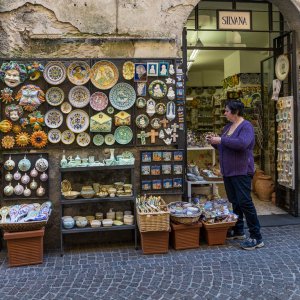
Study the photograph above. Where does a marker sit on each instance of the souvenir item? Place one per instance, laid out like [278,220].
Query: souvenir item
[98,139]
[146,185]
[166,169]
[244,78]
[141,102]
[78,72]
[110,110]
[143,135]
[167,141]
[8,142]
[6,95]
[40,191]
[152,69]
[13,73]
[178,155]
[167,183]
[150,107]
[25,179]
[155,123]
[145,170]
[156,184]
[54,136]
[171,69]
[17,176]
[30,97]
[24,122]
[66,107]
[141,89]
[123,135]
[6,126]
[24,164]
[83,139]
[54,118]
[8,177]
[170,81]
[282,67]
[163,69]
[104,75]
[8,191]
[142,121]
[170,111]
[55,72]
[9,164]
[122,118]
[34,172]
[14,112]
[160,108]
[67,137]
[41,164]
[109,139]
[128,70]
[39,139]
[140,73]
[27,192]
[171,94]
[22,139]
[36,120]
[100,123]
[122,96]
[55,96]
[161,134]
[79,96]
[98,101]
[78,121]
[33,185]
[157,89]
[35,70]
[18,189]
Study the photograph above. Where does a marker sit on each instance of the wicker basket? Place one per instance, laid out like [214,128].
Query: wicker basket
[184,219]
[25,226]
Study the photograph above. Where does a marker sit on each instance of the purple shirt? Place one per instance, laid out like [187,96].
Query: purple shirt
[236,150]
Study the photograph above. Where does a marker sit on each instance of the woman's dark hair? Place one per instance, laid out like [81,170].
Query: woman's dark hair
[236,107]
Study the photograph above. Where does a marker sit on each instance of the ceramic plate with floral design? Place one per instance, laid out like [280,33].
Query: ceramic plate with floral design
[79,72]
[109,139]
[83,139]
[98,139]
[98,101]
[53,118]
[55,96]
[157,89]
[78,121]
[122,96]
[79,96]
[66,107]
[123,135]
[54,136]
[67,137]
[55,72]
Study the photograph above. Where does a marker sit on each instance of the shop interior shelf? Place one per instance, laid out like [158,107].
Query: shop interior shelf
[83,169]
[90,229]
[95,200]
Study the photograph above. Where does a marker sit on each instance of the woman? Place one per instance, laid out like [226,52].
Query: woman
[237,166]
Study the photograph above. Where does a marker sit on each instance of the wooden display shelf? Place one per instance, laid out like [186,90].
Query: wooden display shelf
[95,229]
[84,169]
[95,200]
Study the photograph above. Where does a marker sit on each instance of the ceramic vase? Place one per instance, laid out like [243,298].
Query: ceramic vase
[255,177]
[264,187]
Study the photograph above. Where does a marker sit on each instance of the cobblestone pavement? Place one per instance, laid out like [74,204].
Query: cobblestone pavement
[223,272]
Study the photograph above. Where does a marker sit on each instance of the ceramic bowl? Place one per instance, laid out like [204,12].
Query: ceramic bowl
[95,223]
[107,222]
[81,222]
[71,195]
[118,223]
[87,194]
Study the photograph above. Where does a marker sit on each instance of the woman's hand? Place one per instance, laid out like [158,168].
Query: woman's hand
[214,140]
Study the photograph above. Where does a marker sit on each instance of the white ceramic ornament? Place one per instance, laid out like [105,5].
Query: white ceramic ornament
[24,164]
[27,192]
[33,185]
[8,190]
[44,177]
[171,94]
[17,176]
[34,172]
[18,189]
[9,164]
[25,179]
[40,191]
[8,177]
[150,107]
[41,164]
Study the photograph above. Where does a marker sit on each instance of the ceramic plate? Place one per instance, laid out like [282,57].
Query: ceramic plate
[55,72]
[98,139]
[142,121]
[123,135]
[244,78]
[109,139]
[160,108]
[155,123]
[157,89]
[53,118]
[122,96]
[66,107]
[79,72]
[282,67]
[141,102]
[128,70]
[54,136]
[78,121]
[83,139]
[104,75]
[98,101]
[79,96]
[55,96]
[67,137]
[110,110]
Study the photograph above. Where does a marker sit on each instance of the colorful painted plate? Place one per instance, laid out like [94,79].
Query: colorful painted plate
[66,107]
[282,67]
[110,110]
[157,89]
[123,135]
[98,101]
[83,139]
[142,121]
[67,137]
[128,70]
[79,72]
[160,108]
[54,136]
[109,139]
[141,102]
[55,96]
[55,72]
[53,118]
[104,75]
[122,96]
[79,96]
[78,121]
[98,139]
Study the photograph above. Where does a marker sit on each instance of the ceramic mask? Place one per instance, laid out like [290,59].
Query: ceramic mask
[44,177]
[24,164]
[33,185]
[25,179]
[13,73]
[6,95]
[33,172]
[8,190]
[17,176]
[14,112]
[41,164]
[27,192]
[35,70]
[18,190]
[9,164]
[8,177]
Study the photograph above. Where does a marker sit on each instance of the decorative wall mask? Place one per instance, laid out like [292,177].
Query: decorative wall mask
[13,112]
[13,73]
[22,139]
[6,95]
[5,126]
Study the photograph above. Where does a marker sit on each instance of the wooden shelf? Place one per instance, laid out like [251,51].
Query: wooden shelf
[95,229]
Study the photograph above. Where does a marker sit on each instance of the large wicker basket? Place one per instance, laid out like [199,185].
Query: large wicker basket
[24,226]
[183,218]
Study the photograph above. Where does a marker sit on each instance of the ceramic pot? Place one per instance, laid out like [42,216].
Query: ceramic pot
[68,223]
[264,187]
[255,176]
[81,222]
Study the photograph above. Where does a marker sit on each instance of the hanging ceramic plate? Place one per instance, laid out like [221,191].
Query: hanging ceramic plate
[55,72]
[160,108]
[83,139]
[79,96]
[78,121]
[67,137]
[253,78]
[123,135]
[157,89]
[110,110]
[79,72]
[54,136]
[109,139]
[244,78]
[98,101]
[104,75]
[155,123]
[53,118]
[142,121]
[282,67]
[98,139]
[55,96]
[122,96]
[128,70]
[141,102]
[66,107]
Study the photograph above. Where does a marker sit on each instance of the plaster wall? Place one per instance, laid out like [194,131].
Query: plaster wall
[206,78]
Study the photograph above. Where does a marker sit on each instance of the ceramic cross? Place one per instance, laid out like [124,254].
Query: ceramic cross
[164,121]
[174,136]
[143,135]
[153,134]
[174,127]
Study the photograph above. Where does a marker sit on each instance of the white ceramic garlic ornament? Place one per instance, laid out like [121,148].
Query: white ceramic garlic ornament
[17,176]
[34,172]
[25,179]
[8,190]
[9,164]
[33,185]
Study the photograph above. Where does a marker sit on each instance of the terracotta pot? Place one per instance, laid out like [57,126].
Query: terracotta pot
[255,176]
[264,187]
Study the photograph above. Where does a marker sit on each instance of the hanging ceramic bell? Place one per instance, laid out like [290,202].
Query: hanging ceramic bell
[18,189]
[24,164]
[33,185]
[44,177]
[9,164]
[17,176]
[41,164]
[8,190]
[40,191]
[34,172]
[8,177]
[27,192]
[25,179]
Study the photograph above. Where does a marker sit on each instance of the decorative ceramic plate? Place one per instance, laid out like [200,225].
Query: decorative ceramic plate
[83,139]
[78,121]
[160,108]
[127,154]
[98,101]
[142,121]
[282,67]
[55,96]
[155,123]
[128,70]
[53,118]
[104,75]
[109,139]
[79,96]
[141,102]
[244,78]
[110,110]
[123,135]
[122,96]
[98,139]
[66,107]
[157,89]
[55,72]
[54,136]
[79,72]
[67,137]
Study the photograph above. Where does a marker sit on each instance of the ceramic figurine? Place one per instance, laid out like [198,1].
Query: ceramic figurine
[168,141]
[36,120]
[171,69]
[171,94]
[170,111]
[150,107]
[13,73]
[13,112]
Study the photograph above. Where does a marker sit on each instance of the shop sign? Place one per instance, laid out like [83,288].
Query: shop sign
[234,20]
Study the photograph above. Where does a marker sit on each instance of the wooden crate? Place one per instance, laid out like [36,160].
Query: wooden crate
[155,242]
